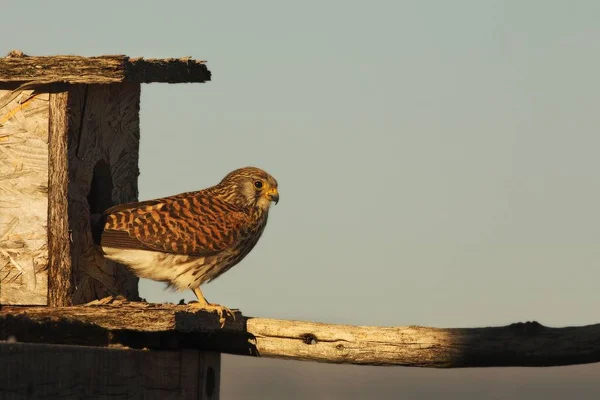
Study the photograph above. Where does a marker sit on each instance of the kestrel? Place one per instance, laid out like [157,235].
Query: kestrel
[190,238]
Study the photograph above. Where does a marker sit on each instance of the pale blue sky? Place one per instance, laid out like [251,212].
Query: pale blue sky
[438,161]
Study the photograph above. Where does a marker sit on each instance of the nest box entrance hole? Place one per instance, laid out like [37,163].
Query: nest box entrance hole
[100,195]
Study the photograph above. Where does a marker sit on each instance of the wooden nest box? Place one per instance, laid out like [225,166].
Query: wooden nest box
[69,144]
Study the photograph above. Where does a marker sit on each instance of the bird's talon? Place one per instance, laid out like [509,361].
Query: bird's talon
[221,311]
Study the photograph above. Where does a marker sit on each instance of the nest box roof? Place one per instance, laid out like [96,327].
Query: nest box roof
[18,67]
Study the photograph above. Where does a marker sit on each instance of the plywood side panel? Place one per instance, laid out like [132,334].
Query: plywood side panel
[103,170]
[23,196]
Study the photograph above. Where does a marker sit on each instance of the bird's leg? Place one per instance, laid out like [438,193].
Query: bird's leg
[201,299]
[205,305]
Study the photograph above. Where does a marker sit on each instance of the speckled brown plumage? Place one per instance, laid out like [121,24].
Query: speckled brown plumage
[196,223]
[190,238]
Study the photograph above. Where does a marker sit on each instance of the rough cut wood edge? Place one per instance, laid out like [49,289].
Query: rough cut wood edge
[23,197]
[103,69]
[40,371]
[154,326]
[59,249]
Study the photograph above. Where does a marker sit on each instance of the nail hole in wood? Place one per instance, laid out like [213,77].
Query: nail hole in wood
[308,338]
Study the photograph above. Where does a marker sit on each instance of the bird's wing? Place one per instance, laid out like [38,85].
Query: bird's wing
[190,224]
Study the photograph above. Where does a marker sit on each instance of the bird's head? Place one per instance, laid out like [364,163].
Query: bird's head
[250,187]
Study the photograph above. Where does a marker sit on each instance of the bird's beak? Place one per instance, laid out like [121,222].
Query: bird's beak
[273,195]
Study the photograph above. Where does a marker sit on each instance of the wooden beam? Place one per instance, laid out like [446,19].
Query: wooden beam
[103,69]
[162,326]
[59,250]
[42,371]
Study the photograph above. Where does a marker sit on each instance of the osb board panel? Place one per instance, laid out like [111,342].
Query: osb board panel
[23,196]
[103,138]
[41,371]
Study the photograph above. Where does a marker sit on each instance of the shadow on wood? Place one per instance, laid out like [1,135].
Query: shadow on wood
[136,326]
[139,325]
[36,371]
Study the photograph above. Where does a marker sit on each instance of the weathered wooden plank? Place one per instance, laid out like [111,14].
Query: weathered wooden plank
[167,70]
[143,325]
[60,267]
[23,196]
[40,371]
[103,69]
[521,344]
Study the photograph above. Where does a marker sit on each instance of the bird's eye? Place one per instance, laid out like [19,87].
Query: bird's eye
[258,184]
